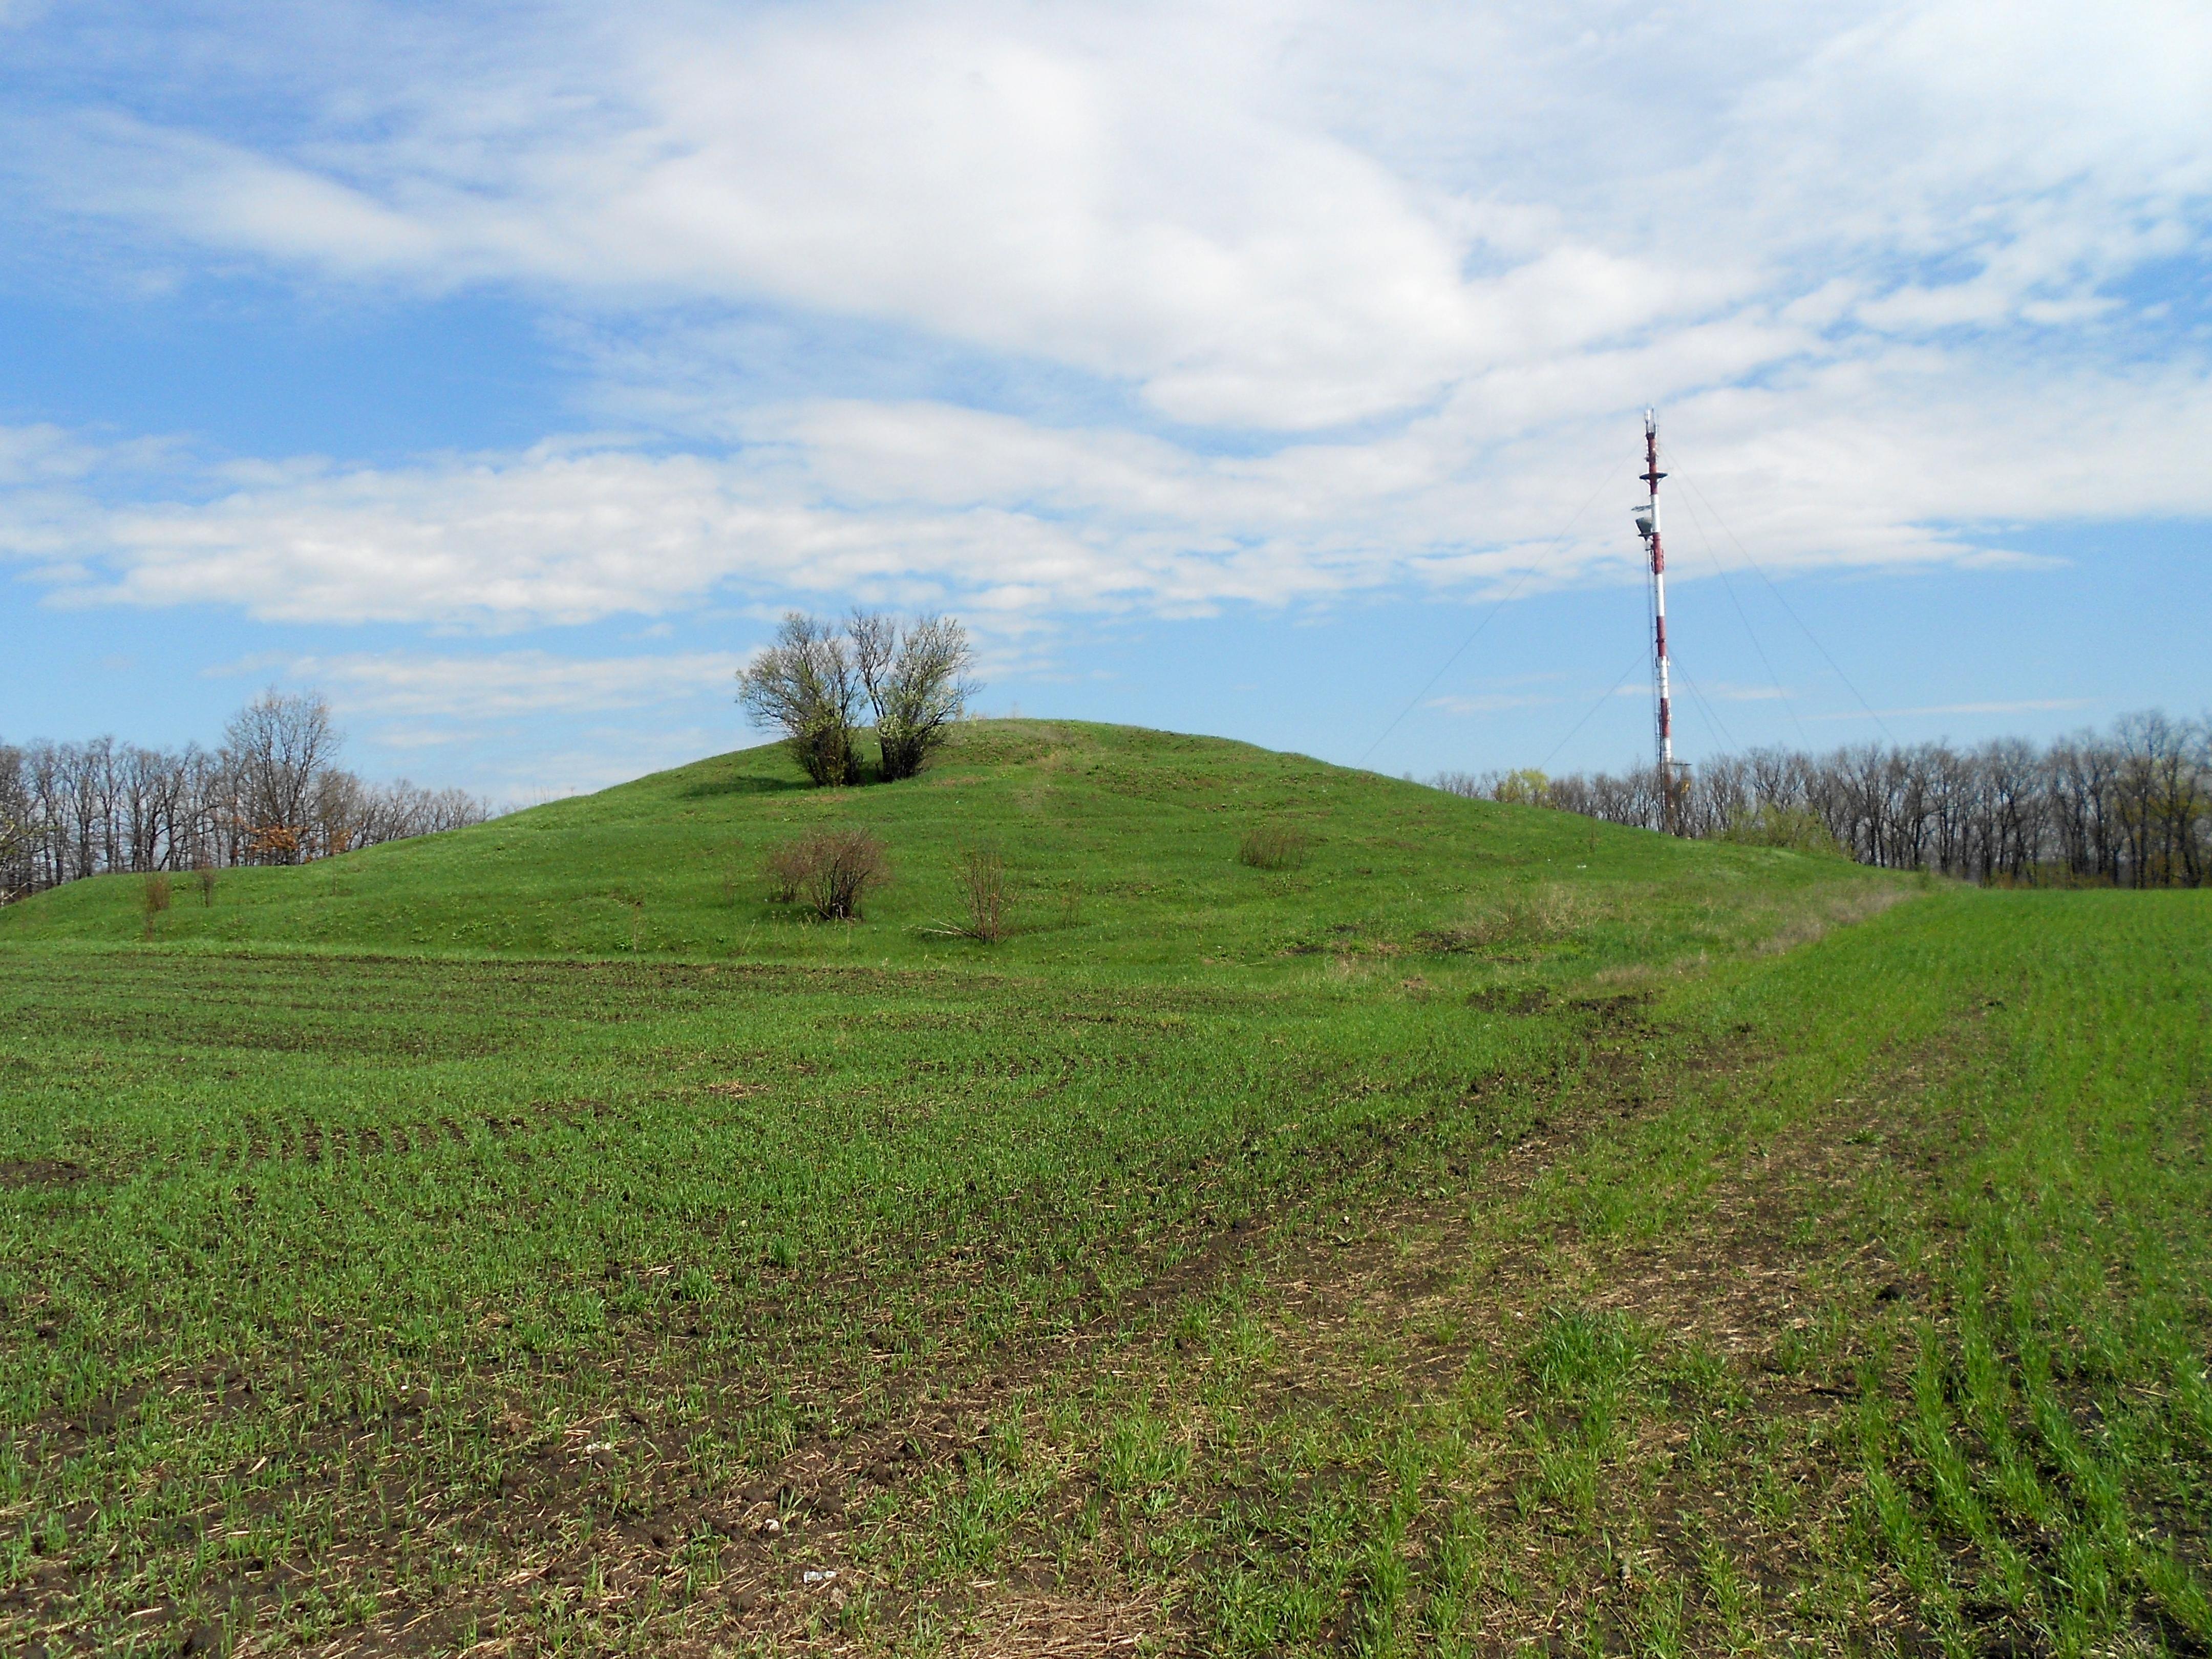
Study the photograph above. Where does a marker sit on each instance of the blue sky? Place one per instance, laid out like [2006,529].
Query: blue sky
[504,372]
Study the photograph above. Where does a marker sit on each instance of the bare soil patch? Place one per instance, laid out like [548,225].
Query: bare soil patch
[19,1175]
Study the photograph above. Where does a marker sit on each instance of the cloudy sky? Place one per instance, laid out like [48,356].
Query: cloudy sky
[1274,371]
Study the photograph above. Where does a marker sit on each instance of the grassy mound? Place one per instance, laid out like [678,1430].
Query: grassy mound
[1121,845]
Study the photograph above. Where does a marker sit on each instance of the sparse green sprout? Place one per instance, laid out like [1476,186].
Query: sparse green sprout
[1091,1301]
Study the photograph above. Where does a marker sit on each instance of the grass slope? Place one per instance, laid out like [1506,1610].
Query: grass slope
[1122,842]
[1504,1234]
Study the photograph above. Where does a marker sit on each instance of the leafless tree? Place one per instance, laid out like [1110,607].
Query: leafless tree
[280,746]
[2132,807]
[72,810]
[15,827]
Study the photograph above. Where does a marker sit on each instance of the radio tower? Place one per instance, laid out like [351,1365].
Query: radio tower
[1647,526]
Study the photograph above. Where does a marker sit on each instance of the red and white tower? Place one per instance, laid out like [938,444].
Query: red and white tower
[1647,525]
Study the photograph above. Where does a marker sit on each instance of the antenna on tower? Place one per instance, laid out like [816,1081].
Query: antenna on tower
[1647,526]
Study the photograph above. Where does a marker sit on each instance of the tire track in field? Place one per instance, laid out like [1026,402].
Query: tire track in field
[710,1550]
[799,1515]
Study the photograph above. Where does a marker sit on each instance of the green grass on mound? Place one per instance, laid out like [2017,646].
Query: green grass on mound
[1121,845]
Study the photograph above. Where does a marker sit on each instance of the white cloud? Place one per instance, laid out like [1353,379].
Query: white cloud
[1873,461]
[1488,702]
[521,727]
[506,685]
[1865,260]
[1727,691]
[1283,219]
[2017,706]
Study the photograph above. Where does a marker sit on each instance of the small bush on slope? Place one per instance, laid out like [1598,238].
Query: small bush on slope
[831,871]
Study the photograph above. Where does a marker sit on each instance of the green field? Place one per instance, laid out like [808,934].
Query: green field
[1501,1233]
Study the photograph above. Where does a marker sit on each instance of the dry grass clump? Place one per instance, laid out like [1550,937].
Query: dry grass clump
[1522,918]
[1274,846]
[784,867]
[986,898]
[982,882]
[829,871]
[1838,910]
[1050,1628]
[156,899]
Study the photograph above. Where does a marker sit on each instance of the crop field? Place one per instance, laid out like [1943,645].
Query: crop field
[1485,1232]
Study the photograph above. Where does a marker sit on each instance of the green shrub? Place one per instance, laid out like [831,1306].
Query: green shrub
[1794,829]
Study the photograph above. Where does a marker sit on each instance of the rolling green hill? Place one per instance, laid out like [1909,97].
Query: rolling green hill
[1121,843]
[1499,1234]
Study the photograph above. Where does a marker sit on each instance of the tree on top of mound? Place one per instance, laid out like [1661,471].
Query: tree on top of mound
[916,681]
[812,681]
[805,684]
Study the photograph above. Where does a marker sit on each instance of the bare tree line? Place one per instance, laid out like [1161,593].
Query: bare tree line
[2131,807]
[272,792]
